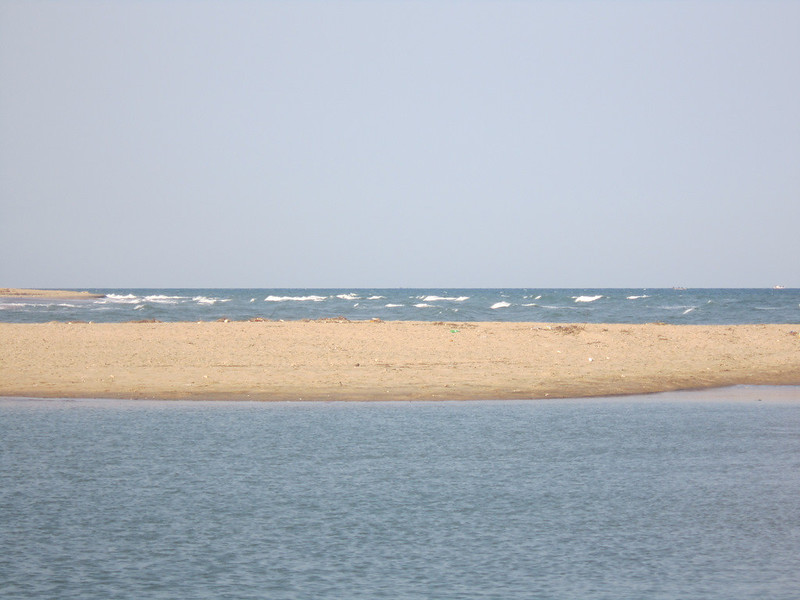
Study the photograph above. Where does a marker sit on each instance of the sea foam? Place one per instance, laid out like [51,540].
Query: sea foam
[120,299]
[586,298]
[497,305]
[441,298]
[161,299]
[207,300]
[295,298]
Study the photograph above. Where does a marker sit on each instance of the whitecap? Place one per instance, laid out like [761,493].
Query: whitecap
[439,298]
[551,307]
[164,299]
[688,310]
[423,305]
[393,305]
[586,298]
[636,297]
[497,305]
[295,298]
[206,300]
[350,296]
[118,299]
[539,297]
[377,298]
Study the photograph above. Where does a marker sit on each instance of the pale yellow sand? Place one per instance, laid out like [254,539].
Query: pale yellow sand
[386,360]
[29,293]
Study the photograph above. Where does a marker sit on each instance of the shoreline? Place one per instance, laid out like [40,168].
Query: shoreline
[392,360]
[767,393]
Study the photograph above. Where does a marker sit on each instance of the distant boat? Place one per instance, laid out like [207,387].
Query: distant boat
[679,288]
[778,287]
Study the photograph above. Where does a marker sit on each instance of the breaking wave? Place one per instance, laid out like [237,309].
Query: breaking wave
[443,298]
[295,298]
[207,300]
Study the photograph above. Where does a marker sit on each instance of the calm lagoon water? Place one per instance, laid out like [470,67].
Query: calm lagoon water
[644,497]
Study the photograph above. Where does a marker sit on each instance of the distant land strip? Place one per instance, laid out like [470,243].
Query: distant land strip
[31,293]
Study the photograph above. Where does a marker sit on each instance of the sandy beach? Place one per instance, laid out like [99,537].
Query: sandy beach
[364,360]
[31,293]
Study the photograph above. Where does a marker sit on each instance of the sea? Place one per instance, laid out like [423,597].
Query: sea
[599,305]
[677,496]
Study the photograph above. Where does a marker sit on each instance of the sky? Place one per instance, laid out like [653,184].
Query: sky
[399,144]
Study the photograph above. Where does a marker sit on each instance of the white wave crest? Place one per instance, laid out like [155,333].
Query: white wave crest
[441,298]
[32,304]
[551,307]
[350,296]
[586,298]
[376,298]
[295,299]
[159,299]
[394,305]
[119,299]
[497,305]
[688,310]
[636,297]
[207,300]
[423,305]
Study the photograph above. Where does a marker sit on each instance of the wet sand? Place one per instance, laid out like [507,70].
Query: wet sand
[341,360]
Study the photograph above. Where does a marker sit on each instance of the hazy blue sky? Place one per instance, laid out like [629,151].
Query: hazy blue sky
[476,144]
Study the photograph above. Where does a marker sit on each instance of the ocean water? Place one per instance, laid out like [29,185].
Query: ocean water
[654,497]
[692,306]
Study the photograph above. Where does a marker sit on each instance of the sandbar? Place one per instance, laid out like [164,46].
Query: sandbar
[336,359]
[32,293]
